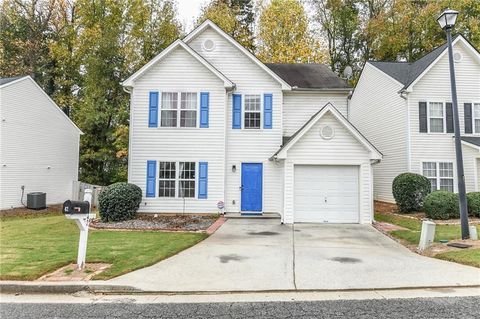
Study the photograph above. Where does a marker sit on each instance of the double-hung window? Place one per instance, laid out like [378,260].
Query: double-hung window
[476,117]
[177,179]
[166,179]
[175,114]
[253,111]
[440,175]
[436,115]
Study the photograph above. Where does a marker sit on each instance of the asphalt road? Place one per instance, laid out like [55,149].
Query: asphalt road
[453,307]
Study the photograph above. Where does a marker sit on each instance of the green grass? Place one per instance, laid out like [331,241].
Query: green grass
[33,246]
[467,257]
[414,226]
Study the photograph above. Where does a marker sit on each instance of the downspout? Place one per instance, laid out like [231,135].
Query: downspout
[404,95]
[225,146]
[129,90]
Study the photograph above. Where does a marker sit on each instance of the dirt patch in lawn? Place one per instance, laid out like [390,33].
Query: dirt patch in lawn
[178,222]
[25,212]
[384,207]
[438,248]
[71,273]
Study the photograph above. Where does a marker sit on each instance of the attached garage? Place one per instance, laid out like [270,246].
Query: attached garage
[328,172]
[326,194]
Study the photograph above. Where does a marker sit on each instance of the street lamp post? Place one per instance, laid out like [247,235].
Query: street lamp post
[447,21]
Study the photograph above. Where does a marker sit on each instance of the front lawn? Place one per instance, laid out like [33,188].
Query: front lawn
[449,232]
[31,246]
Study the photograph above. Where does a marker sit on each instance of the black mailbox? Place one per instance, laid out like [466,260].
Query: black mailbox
[76,207]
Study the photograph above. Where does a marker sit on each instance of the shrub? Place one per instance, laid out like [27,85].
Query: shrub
[442,205]
[119,201]
[409,191]
[473,202]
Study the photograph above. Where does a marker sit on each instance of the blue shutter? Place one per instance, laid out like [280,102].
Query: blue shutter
[267,111]
[151,174]
[237,111]
[202,180]
[204,101]
[153,110]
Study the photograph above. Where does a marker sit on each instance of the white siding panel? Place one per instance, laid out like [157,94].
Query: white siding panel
[435,86]
[378,111]
[179,71]
[38,146]
[343,149]
[254,146]
[298,107]
[470,158]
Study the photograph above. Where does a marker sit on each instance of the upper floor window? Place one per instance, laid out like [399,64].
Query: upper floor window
[476,117]
[174,114]
[253,111]
[440,175]
[436,115]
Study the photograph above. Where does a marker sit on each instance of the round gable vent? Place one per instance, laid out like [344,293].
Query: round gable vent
[327,132]
[208,45]
[457,57]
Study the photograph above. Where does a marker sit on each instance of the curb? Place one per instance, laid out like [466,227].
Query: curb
[55,288]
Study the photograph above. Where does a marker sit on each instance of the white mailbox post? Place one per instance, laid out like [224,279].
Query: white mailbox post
[82,220]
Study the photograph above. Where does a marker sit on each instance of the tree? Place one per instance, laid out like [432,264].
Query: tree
[235,17]
[284,35]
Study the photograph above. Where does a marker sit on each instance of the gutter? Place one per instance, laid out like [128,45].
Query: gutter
[296,88]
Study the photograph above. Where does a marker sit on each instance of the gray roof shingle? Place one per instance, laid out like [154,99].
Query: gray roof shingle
[308,75]
[407,72]
[10,79]
[472,140]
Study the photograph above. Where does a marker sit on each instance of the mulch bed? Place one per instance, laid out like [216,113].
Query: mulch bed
[25,212]
[160,222]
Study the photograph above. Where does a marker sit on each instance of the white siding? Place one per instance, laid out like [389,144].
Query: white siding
[34,136]
[435,86]
[378,111]
[247,145]
[470,158]
[343,149]
[298,107]
[179,71]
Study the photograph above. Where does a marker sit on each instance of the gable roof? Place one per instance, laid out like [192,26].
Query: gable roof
[409,72]
[209,24]
[17,79]
[314,119]
[472,141]
[4,81]
[178,43]
[308,76]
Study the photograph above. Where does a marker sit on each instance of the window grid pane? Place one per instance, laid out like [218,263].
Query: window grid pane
[166,184]
[436,109]
[188,118]
[436,117]
[252,102]
[187,179]
[252,120]
[446,169]
[169,101]
[430,169]
[188,101]
[446,184]
[433,182]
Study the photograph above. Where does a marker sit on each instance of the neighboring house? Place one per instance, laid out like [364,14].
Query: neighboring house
[210,124]
[39,144]
[405,109]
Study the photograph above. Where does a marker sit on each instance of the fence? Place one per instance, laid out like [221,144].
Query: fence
[79,191]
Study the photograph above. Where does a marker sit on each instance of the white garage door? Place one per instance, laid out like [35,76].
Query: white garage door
[326,194]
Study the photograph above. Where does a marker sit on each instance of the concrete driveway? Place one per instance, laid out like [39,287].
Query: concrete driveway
[262,255]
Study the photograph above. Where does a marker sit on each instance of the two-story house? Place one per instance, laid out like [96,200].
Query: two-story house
[213,127]
[405,109]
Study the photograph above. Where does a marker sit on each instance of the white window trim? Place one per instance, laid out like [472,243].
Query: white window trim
[474,131]
[242,126]
[178,110]
[444,116]
[177,181]
[438,178]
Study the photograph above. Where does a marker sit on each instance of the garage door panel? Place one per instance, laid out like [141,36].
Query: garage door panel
[326,193]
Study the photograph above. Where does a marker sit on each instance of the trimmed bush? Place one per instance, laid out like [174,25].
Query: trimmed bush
[442,205]
[473,202]
[409,191]
[119,201]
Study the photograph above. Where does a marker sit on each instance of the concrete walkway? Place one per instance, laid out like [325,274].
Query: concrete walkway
[262,255]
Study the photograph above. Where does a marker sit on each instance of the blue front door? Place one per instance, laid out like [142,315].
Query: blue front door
[252,187]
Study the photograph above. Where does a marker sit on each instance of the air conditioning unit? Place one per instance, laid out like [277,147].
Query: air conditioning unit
[36,200]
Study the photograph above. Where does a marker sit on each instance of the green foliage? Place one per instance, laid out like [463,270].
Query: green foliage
[473,202]
[409,191]
[119,201]
[442,205]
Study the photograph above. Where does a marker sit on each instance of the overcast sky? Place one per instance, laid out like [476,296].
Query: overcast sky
[188,10]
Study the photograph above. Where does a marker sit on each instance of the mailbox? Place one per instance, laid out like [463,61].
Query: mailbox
[76,207]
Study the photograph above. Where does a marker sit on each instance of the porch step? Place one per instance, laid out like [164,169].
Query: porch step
[260,216]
